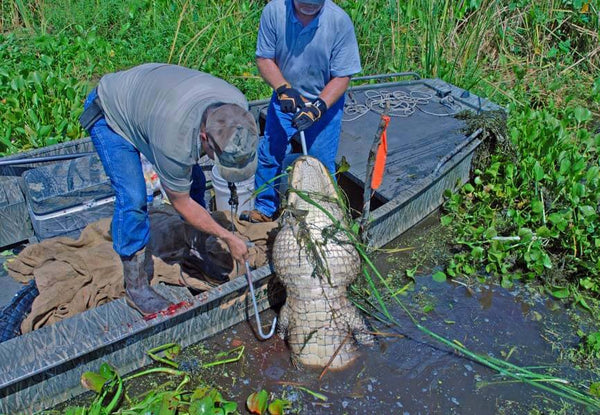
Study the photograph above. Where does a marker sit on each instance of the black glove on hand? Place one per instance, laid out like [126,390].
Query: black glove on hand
[308,115]
[289,98]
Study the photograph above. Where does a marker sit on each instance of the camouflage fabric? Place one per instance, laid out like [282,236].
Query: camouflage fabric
[14,218]
[66,184]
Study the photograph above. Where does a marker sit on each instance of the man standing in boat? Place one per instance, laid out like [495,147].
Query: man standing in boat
[172,115]
[307,52]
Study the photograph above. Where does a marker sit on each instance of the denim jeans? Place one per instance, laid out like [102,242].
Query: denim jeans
[274,150]
[130,227]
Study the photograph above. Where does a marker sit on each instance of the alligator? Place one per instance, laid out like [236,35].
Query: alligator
[316,261]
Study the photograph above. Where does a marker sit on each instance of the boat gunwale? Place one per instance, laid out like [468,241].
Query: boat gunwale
[208,298]
[427,182]
[394,206]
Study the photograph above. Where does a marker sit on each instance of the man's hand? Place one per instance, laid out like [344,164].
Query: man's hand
[237,248]
[289,98]
[310,114]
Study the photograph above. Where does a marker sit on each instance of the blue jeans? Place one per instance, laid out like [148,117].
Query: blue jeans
[274,150]
[130,227]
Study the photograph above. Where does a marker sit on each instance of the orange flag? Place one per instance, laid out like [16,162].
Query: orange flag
[380,157]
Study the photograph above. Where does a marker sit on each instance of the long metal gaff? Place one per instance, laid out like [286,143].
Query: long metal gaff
[256,314]
[249,274]
[249,279]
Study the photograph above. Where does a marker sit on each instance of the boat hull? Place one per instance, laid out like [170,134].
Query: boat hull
[43,368]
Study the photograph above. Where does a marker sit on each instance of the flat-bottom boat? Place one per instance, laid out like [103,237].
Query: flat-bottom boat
[428,152]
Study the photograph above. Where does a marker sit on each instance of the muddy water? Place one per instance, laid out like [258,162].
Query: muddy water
[414,374]
[409,372]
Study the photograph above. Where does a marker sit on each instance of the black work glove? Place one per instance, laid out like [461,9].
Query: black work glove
[289,98]
[310,114]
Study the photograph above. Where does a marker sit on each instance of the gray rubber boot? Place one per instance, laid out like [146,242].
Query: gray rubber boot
[139,294]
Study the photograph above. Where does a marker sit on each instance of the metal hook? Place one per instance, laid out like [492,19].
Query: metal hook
[233,203]
[258,322]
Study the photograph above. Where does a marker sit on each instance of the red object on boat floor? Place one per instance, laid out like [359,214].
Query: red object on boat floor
[169,311]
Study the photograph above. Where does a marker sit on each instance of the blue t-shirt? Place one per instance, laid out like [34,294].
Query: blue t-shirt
[308,57]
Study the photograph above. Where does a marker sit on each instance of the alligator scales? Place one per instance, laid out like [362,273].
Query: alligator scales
[316,262]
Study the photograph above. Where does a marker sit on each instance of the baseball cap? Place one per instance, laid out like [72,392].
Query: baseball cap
[235,135]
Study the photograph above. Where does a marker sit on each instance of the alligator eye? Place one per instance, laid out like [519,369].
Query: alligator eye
[298,213]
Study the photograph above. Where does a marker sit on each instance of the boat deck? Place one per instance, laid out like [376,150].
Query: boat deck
[420,135]
[428,149]
[428,152]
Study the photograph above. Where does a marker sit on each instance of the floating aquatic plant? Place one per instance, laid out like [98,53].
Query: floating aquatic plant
[110,389]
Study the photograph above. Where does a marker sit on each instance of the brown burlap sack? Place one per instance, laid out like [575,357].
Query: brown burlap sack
[75,275]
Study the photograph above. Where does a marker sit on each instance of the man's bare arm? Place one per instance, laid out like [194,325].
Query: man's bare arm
[270,72]
[334,90]
[201,219]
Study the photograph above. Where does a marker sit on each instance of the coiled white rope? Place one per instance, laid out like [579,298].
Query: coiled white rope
[400,104]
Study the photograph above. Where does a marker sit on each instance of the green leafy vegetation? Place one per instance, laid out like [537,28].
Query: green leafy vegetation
[258,403]
[536,217]
[590,344]
[529,214]
[113,395]
[381,296]
[54,53]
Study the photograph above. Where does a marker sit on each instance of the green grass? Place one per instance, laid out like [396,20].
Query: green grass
[511,51]
[508,50]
